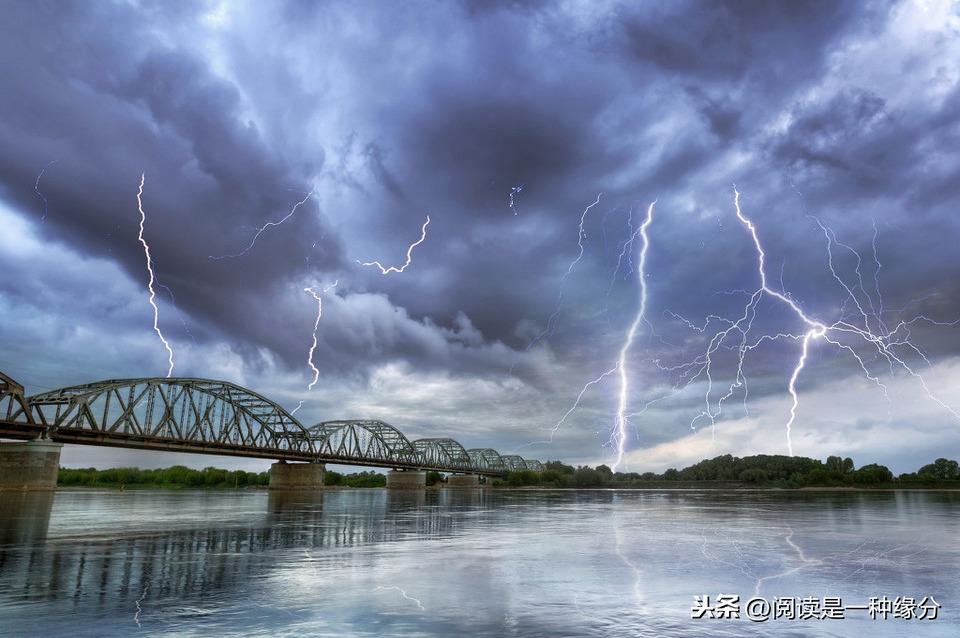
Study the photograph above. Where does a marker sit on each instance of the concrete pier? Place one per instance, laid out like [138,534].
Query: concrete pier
[406,480]
[29,465]
[297,476]
[463,480]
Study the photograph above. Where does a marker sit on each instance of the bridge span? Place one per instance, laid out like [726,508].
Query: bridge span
[216,417]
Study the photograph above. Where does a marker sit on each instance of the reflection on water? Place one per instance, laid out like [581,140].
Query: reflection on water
[464,562]
[24,517]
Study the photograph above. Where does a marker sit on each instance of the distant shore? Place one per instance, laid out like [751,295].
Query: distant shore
[723,473]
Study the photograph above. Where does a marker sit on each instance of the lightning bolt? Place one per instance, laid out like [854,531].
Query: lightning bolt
[737,557]
[581,235]
[618,438]
[150,281]
[387,271]
[404,594]
[136,616]
[36,188]
[801,558]
[626,250]
[884,344]
[513,193]
[637,574]
[263,228]
[173,302]
[620,426]
[316,325]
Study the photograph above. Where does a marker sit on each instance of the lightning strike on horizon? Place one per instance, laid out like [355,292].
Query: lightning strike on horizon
[883,343]
[618,438]
[620,427]
[150,281]
[404,594]
[514,191]
[261,229]
[386,271]
[36,189]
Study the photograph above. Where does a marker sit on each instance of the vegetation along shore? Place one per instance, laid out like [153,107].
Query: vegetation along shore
[722,472]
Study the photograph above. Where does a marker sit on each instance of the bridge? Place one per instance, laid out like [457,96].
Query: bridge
[216,417]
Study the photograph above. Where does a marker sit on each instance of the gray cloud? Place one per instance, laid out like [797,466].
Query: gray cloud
[846,112]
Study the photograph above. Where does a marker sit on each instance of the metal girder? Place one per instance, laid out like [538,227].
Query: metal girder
[216,417]
[13,404]
[364,440]
[533,464]
[514,462]
[443,452]
[186,413]
[487,459]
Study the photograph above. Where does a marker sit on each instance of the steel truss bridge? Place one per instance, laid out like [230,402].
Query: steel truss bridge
[216,417]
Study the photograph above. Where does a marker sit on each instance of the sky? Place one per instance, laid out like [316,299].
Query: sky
[837,122]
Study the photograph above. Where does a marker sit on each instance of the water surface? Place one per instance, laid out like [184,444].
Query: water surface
[466,563]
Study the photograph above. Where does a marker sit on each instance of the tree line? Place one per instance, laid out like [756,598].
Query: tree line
[760,470]
[180,476]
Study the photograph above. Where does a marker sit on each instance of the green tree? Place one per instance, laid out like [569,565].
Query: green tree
[554,478]
[605,473]
[941,469]
[365,479]
[753,475]
[587,477]
[838,465]
[560,467]
[872,474]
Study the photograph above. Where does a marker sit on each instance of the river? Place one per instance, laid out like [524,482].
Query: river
[469,562]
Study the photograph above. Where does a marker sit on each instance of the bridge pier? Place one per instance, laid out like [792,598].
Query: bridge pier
[29,465]
[463,480]
[406,480]
[296,476]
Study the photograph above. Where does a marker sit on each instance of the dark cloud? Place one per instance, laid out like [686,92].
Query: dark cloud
[388,114]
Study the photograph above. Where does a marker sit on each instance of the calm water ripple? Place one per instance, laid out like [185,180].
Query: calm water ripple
[465,563]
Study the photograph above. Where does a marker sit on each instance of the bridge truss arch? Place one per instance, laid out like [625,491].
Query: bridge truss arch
[486,459]
[13,403]
[444,453]
[514,462]
[177,414]
[533,464]
[185,414]
[363,442]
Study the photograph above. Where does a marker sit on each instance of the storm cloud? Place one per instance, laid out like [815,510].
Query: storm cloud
[376,115]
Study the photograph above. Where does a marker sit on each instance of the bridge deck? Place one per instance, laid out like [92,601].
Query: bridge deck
[205,416]
[24,432]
